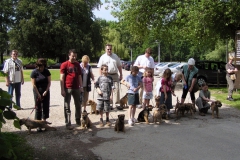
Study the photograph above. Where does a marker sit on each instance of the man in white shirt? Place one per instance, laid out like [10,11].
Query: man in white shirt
[143,62]
[14,69]
[114,66]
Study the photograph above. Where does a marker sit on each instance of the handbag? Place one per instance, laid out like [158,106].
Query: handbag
[233,76]
[195,88]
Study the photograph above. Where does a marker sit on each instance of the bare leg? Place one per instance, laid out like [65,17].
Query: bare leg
[133,111]
[130,112]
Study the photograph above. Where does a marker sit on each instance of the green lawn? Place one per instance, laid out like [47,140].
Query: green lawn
[221,94]
[55,75]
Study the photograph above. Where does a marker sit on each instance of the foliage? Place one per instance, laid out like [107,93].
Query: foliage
[50,28]
[14,147]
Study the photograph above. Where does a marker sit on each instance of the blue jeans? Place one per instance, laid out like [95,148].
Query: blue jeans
[17,87]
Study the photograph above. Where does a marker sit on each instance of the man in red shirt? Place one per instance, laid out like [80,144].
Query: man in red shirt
[71,84]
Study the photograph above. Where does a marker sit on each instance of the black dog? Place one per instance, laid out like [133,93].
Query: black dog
[143,115]
[119,125]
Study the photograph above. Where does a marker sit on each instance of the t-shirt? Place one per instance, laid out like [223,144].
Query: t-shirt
[112,61]
[72,72]
[41,78]
[144,61]
[147,82]
[133,82]
[105,83]
[14,69]
[231,67]
[167,83]
[205,94]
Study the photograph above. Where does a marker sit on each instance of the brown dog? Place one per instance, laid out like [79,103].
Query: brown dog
[214,107]
[93,106]
[85,121]
[31,124]
[143,115]
[179,108]
[189,107]
[119,125]
[157,101]
[157,114]
[123,101]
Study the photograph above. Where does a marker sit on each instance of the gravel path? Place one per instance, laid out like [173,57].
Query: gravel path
[190,137]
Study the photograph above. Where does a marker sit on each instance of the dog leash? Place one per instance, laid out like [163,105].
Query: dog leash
[38,100]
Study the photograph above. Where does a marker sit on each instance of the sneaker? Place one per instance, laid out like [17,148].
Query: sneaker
[130,122]
[230,99]
[101,124]
[134,120]
[108,123]
[69,127]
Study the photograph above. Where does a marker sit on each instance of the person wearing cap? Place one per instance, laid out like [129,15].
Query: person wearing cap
[189,79]
[231,70]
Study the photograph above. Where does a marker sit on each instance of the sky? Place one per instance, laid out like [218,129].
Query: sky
[103,13]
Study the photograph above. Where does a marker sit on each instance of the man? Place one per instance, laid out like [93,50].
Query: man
[71,84]
[143,62]
[114,66]
[14,69]
[189,79]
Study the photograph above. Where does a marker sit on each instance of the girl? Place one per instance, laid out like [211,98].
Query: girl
[147,87]
[133,83]
[166,90]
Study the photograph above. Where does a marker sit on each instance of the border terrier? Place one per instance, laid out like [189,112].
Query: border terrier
[32,124]
[157,114]
[143,115]
[157,101]
[93,106]
[119,125]
[214,107]
[123,101]
[85,121]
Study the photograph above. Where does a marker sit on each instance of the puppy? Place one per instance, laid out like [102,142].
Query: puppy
[93,106]
[85,121]
[143,115]
[119,125]
[157,101]
[123,101]
[157,114]
[31,124]
[189,107]
[179,108]
[214,107]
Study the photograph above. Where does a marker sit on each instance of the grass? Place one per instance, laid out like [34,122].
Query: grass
[221,94]
[55,75]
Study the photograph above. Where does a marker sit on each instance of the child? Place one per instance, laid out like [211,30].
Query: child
[104,86]
[203,99]
[147,87]
[176,77]
[133,83]
[166,90]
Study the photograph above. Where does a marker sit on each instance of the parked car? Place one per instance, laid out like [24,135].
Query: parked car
[162,66]
[211,72]
[31,65]
[55,66]
[177,67]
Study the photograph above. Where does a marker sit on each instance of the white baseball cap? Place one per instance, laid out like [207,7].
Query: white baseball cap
[191,61]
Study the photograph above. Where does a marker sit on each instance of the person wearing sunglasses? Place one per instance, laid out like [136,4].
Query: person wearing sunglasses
[13,67]
[41,81]
[114,67]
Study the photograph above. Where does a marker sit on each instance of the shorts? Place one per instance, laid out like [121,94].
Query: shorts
[147,96]
[133,99]
[103,105]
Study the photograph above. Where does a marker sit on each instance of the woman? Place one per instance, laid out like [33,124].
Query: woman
[87,75]
[41,81]
[231,70]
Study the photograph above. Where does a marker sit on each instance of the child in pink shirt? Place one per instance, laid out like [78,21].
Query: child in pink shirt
[147,87]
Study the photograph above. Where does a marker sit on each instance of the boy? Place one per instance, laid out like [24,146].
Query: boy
[104,86]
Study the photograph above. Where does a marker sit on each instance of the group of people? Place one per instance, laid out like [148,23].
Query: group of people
[75,80]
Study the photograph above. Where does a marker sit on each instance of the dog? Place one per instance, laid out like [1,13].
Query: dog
[189,107]
[123,101]
[85,121]
[179,108]
[119,125]
[143,115]
[93,106]
[158,114]
[157,101]
[32,124]
[214,107]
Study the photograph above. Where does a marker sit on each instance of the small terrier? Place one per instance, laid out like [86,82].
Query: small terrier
[157,114]
[157,101]
[85,121]
[119,125]
[143,115]
[123,101]
[214,107]
[31,124]
[93,106]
